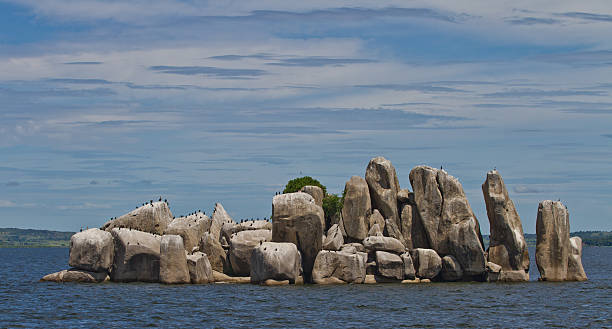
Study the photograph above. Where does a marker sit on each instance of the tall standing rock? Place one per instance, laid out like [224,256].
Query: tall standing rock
[383,185]
[136,256]
[152,218]
[356,209]
[447,219]
[173,260]
[507,246]
[219,217]
[575,271]
[91,250]
[297,218]
[215,253]
[552,246]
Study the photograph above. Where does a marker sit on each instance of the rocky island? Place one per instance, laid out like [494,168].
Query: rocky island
[383,234]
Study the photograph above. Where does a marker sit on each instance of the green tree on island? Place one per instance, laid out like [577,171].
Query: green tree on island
[332,203]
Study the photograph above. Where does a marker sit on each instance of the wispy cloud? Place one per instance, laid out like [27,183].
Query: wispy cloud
[319,61]
[532,21]
[528,92]
[83,63]
[209,71]
[7,204]
[84,206]
[587,16]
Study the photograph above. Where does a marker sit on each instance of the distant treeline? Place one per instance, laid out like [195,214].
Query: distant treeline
[15,237]
[20,238]
[589,238]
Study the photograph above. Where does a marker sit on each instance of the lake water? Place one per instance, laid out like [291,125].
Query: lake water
[25,302]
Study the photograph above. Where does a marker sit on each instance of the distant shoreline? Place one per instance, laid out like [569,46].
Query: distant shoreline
[32,238]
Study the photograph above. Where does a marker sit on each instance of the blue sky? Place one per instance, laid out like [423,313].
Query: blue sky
[107,104]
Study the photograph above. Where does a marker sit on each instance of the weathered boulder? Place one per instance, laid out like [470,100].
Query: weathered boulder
[391,230]
[334,239]
[427,263]
[447,219]
[275,260]
[492,271]
[173,260]
[190,228]
[404,196]
[296,218]
[507,246]
[451,270]
[575,271]
[219,217]
[338,267]
[352,247]
[375,231]
[215,253]
[152,218]
[389,265]
[241,247]
[552,240]
[376,219]
[356,209]
[200,270]
[76,275]
[136,256]
[230,228]
[383,185]
[409,272]
[383,243]
[92,250]
[315,192]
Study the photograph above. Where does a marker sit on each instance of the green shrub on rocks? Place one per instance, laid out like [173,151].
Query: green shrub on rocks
[296,184]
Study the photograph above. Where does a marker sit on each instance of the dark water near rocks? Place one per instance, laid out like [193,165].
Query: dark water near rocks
[25,302]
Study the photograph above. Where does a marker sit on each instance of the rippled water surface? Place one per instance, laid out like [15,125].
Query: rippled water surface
[25,302]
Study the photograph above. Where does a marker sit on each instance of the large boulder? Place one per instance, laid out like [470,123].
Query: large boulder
[200,270]
[507,246]
[316,193]
[231,228]
[451,270]
[552,240]
[383,185]
[356,209]
[136,256]
[389,266]
[241,247]
[383,243]
[92,250]
[427,263]
[190,228]
[409,272]
[152,218]
[376,218]
[447,219]
[334,239]
[391,230]
[296,218]
[219,218]
[215,253]
[338,267]
[275,260]
[575,271]
[173,260]
[75,275]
